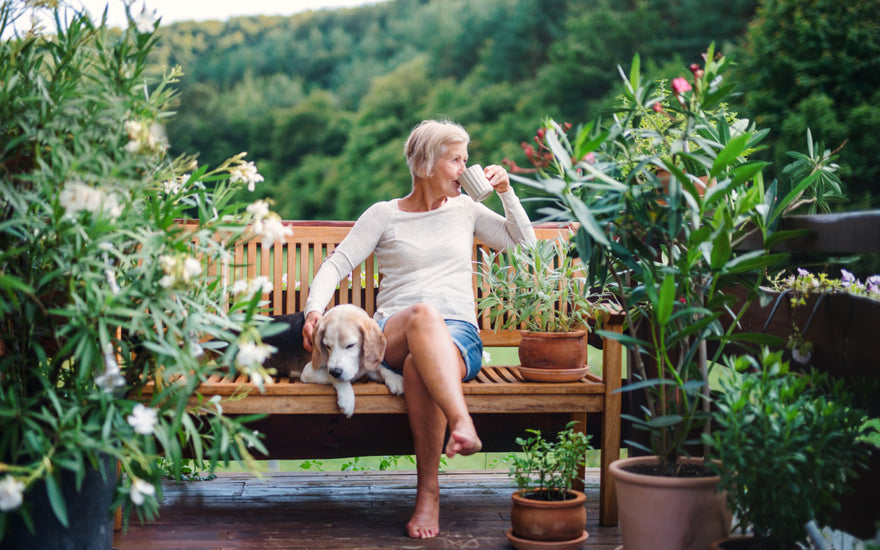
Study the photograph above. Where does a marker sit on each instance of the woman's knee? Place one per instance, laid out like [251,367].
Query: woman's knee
[423,314]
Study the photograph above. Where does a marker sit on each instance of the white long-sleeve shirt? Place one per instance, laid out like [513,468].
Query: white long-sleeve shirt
[422,256]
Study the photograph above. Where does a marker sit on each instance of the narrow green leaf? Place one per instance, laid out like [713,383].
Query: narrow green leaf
[56,500]
[666,300]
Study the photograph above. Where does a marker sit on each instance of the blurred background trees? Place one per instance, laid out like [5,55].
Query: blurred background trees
[323,101]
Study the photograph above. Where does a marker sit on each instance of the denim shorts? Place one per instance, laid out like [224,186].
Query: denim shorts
[466,338]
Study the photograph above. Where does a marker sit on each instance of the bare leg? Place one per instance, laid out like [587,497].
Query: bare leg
[428,427]
[432,371]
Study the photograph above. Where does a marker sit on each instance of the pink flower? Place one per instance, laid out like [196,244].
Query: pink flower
[680,85]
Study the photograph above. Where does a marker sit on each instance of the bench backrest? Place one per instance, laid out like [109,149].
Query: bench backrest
[291,265]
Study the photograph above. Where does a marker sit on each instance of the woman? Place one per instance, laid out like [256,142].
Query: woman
[425,305]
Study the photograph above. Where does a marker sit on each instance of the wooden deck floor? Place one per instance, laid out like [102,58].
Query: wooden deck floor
[333,510]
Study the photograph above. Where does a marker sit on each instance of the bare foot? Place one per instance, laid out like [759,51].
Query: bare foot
[463,442]
[425,521]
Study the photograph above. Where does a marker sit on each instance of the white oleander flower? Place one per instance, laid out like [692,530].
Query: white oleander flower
[143,419]
[250,354]
[271,229]
[260,285]
[240,286]
[141,489]
[245,172]
[11,493]
[145,22]
[259,209]
[192,268]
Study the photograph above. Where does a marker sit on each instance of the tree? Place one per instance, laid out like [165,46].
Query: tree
[817,60]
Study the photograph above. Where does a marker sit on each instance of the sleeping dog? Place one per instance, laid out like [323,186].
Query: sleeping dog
[347,345]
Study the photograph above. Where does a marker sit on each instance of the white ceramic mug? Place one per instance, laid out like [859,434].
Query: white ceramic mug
[474,182]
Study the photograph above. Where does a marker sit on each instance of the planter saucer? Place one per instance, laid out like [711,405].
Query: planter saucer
[552,375]
[526,544]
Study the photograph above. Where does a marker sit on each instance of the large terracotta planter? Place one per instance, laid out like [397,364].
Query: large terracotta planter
[668,513]
[548,520]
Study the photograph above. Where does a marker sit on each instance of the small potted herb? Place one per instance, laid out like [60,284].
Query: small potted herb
[785,445]
[545,506]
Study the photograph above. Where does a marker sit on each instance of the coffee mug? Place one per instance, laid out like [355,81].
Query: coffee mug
[474,182]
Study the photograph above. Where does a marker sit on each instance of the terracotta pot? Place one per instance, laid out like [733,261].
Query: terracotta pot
[668,513]
[553,350]
[548,520]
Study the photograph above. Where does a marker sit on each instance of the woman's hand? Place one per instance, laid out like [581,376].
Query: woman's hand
[498,178]
[311,321]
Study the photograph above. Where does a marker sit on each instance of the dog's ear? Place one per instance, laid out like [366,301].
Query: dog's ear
[319,355]
[374,344]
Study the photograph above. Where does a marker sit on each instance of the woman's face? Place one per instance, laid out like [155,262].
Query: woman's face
[448,168]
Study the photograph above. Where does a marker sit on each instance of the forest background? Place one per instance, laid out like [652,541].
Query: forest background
[322,101]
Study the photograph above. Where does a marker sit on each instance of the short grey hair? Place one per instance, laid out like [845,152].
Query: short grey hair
[428,142]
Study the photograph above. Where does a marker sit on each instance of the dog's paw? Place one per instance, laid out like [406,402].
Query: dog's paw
[345,399]
[310,375]
[394,382]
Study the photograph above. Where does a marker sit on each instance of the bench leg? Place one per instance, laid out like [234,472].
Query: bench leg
[581,426]
[117,514]
[612,372]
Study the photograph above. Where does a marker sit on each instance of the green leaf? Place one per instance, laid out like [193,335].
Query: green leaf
[758,338]
[664,421]
[729,154]
[666,300]
[56,500]
[721,250]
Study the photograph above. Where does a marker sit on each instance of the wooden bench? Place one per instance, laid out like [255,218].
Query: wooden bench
[304,421]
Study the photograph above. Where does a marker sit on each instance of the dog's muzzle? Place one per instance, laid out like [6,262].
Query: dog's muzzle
[337,374]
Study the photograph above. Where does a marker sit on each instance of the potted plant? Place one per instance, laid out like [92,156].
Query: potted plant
[101,292]
[542,288]
[672,252]
[545,507]
[785,444]
[825,321]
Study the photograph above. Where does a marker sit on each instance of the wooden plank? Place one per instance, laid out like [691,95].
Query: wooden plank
[332,510]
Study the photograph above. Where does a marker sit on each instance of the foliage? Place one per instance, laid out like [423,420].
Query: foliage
[496,66]
[540,286]
[671,247]
[785,446]
[803,283]
[549,467]
[816,64]
[101,292]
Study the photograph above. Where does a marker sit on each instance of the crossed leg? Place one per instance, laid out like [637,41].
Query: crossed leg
[417,339]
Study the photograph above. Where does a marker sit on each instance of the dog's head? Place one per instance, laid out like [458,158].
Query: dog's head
[347,340]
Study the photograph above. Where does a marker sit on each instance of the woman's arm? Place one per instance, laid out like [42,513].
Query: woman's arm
[354,249]
[500,232]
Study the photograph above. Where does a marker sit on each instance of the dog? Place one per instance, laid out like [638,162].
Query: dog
[348,345]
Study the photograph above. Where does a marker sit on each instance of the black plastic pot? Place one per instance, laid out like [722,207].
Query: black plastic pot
[88,511]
